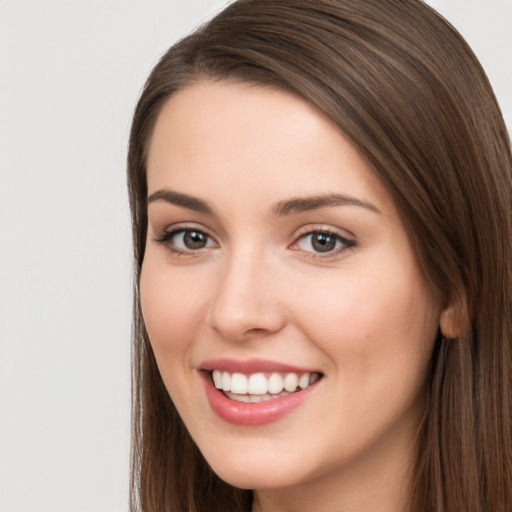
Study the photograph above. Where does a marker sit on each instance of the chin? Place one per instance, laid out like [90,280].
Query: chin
[257,478]
[260,468]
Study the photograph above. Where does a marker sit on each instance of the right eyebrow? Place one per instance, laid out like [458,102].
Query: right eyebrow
[304,204]
[179,199]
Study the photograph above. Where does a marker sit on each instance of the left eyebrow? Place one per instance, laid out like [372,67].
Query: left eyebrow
[304,204]
[180,199]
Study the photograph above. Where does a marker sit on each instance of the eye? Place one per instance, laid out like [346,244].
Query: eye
[322,242]
[186,240]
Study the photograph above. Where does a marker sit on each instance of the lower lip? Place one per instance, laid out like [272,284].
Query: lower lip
[255,413]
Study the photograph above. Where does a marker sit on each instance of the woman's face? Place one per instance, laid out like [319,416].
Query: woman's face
[276,257]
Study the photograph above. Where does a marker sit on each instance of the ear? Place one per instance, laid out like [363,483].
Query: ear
[450,321]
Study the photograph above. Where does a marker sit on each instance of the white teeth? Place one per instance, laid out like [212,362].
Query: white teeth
[239,384]
[304,381]
[226,381]
[257,384]
[290,382]
[217,378]
[257,387]
[254,398]
[275,383]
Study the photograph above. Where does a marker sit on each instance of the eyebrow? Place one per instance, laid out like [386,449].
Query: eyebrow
[304,204]
[179,199]
[280,209]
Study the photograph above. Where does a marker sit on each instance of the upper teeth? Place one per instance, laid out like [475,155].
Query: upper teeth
[260,384]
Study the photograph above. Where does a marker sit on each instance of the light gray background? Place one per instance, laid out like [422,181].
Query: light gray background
[71,71]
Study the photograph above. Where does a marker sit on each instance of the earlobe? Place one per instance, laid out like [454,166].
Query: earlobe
[450,322]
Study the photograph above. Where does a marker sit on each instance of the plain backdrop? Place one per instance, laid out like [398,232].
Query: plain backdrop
[71,71]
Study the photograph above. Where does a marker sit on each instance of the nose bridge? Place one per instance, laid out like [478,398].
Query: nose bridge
[245,302]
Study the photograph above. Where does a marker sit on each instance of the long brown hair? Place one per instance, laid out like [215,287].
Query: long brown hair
[406,89]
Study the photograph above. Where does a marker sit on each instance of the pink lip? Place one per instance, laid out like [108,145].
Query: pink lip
[258,413]
[250,366]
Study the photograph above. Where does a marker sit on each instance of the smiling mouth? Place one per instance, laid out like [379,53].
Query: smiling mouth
[260,387]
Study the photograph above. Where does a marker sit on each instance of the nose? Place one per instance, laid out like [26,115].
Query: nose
[246,304]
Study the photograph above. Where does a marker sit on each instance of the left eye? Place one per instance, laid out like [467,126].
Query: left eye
[321,242]
[190,240]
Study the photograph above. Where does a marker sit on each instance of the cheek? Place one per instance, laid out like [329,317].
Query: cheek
[374,326]
[172,305]
[378,334]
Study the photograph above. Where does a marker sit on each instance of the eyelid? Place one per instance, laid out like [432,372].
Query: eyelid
[324,228]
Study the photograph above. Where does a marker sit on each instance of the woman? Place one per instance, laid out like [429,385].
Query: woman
[321,198]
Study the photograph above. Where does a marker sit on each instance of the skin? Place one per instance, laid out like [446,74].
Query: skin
[361,314]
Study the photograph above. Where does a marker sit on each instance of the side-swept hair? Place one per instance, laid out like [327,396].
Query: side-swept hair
[406,89]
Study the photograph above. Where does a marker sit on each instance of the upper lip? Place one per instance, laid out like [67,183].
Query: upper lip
[249,366]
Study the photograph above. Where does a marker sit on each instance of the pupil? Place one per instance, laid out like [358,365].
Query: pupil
[194,240]
[323,242]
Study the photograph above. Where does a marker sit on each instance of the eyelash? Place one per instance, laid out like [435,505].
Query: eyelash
[346,244]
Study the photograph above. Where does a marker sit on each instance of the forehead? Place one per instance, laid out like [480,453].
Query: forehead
[260,140]
[228,115]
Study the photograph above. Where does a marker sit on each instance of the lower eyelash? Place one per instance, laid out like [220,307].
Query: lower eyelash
[164,238]
[333,254]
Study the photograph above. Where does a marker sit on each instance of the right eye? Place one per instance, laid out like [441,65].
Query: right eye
[186,240]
